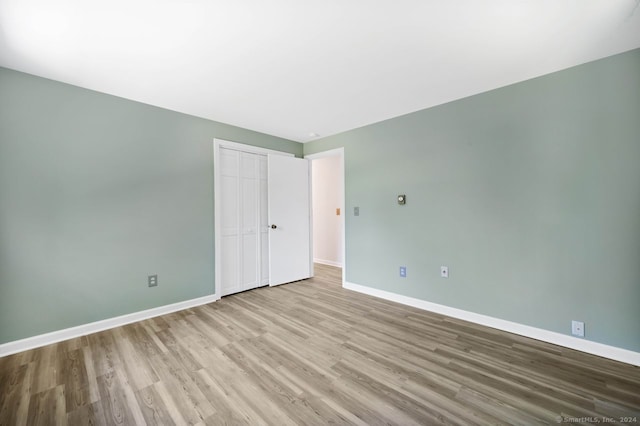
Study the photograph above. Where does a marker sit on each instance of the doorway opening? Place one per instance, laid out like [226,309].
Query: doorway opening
[328,207]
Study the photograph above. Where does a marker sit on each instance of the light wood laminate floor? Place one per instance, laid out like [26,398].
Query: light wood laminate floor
[310,353]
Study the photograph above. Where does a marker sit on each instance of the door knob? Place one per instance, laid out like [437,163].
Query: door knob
[273,226]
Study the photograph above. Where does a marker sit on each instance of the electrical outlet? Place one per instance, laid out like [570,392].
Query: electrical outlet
[403,271]
[577,328]
[356,211]
[152,280]
[444,272]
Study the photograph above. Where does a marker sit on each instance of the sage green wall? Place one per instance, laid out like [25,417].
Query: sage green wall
[96,193]
[529,193]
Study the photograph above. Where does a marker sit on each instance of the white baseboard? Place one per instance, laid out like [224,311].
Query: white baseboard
[594,348]
[328,262]
[94,327]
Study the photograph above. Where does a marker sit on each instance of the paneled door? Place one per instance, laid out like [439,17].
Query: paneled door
[262,217]
[243,221]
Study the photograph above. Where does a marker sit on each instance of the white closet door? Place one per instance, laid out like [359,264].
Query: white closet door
[290,217]
[253,191]
[243,187]
[264,221]
[229,224]
[249,215]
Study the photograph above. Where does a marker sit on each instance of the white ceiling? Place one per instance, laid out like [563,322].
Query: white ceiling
[291,68]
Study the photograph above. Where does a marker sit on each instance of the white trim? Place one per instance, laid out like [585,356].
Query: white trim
[94,327]
[310,215]
[337,152]
[221,143]
[327,262]
[594,348]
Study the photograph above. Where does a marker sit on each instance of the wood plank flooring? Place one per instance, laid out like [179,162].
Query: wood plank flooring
[311,353]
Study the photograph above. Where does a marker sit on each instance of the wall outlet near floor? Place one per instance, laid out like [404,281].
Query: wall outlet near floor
[444,272]
[152,280]
[577,328]
[403,271]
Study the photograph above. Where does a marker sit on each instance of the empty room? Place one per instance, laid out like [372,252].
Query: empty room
[319,212]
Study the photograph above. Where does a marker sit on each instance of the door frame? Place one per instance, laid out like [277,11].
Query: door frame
[217,211]
[337,152]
